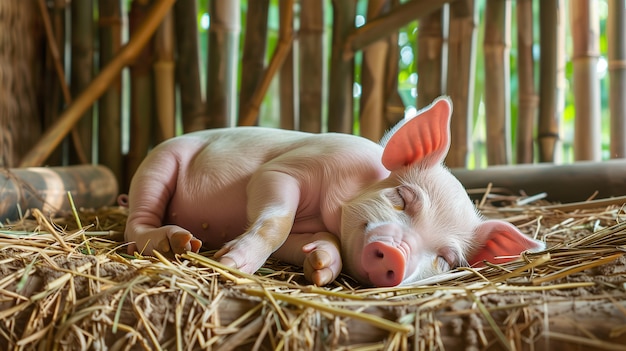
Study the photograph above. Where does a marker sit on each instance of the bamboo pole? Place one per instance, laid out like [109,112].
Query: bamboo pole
[82,68]
[142,103]
[385,25]
[287,80]
[550,110]
[528,100]
[373,76]
[616,27]
[496,46]
[312,65]
[164,79]
[254,51]
[55,133]
[430,60]
[223,62]
[585,26]
[109,106]
[340,100]
[192,105]
[285,40]
[461,71]
[394,105]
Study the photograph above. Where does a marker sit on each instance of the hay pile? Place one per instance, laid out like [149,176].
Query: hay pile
[64,288]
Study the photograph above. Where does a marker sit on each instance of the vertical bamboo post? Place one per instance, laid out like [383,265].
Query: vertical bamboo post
[141,129]
[430,59]
[528,99]
[164,80]
[340,100]
[109,106]
[550,104]
[312,64]
[287,78]
[223,62]
[192,105]
[394,107]
[585,26]
[253,56]
[616,29]
[373,76]
[496,47]
[82,68]
[460,84]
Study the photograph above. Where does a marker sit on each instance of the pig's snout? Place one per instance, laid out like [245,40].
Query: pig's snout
[383,263]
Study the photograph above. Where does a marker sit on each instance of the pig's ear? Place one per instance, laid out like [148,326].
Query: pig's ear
[500,242]
[423,139]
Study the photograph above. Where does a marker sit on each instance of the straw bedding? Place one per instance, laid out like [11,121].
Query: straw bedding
[64,288]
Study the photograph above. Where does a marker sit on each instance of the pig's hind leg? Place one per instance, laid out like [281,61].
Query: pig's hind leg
[319,254]
[151,189]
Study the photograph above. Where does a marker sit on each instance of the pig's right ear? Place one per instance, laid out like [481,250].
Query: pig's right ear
[424,139]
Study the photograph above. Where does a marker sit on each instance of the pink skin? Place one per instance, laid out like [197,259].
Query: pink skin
[325,202]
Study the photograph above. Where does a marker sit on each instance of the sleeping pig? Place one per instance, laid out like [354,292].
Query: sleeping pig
[386,214]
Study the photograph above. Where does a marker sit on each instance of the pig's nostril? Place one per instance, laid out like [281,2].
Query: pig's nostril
[380,254]
[390,274]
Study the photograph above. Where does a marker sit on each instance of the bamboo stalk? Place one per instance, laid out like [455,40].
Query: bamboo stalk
[340,100]
[373,77]
[192,105]
[385,25]
[430,60]
[55,134]
[82,68]
[312,65]
[616,27]
[109,106]
[496,48]
[254,51]
[461,71]
[142,103]
[164,79]
[550,110]
[585,26]
[527,99]
[394,105]
[285,40]
[223,62]
[287,81]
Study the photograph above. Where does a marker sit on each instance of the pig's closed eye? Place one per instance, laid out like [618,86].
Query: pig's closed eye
[399,203]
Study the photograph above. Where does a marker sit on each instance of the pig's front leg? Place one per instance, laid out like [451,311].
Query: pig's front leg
[318,253]
[273,199]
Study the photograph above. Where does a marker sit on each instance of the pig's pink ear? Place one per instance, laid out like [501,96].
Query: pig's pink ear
[423,139]
[500,242]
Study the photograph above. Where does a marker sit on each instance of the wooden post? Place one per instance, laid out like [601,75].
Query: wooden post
[287,78]
[585,26]
[460,85]
[497,81]
[312,64]
[373,76]
[253,56]
[616,27]
[223,62]
[192,105]
[109,106]
[528,100]
[550,82]
[340,100]
[164,80]
[431,64]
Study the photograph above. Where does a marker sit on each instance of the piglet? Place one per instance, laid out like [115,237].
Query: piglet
[386,214]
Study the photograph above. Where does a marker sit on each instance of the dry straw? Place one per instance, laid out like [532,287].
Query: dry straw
[64,286]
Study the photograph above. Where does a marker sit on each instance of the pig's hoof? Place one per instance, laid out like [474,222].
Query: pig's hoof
[384,264]
[322,262]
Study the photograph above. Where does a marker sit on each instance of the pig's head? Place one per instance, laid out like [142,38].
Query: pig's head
[420,221]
